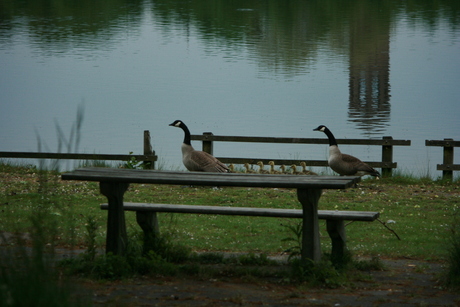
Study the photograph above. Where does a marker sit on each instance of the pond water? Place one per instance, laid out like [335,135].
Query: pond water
[249,68]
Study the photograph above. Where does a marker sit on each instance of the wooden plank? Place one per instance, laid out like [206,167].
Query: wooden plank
[387,157]
[278,162]
[448,167]
[297,162]
[286,140]
[443,143]
[74,156]
[365,216]
[148,151]
[211,179]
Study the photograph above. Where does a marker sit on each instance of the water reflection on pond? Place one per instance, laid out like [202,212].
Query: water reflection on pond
[366,69]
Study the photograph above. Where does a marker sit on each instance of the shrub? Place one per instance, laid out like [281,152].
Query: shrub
[322,273]
[452,274]
[110,266]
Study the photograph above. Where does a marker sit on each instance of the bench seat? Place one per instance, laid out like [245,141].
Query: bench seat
[147,219]
[364,216]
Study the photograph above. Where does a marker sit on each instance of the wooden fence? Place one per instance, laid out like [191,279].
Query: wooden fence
[447,167]
[148,158]
[387,143]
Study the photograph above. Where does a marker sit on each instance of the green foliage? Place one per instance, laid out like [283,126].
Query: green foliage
[418,209]
[91,233]
[110,266]
[27,274]
[452,272]
[326,273]
[132,163]
[322,273]
[374,264]
[296,230]
[31,284]
[163,246]
[158,259]
[254,259]
[94,163]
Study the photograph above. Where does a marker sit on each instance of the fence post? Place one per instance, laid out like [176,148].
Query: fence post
[148,151]
[387,156]
[207,145]
[448,158]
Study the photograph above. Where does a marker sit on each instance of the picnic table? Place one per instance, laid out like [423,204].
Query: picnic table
[113,184]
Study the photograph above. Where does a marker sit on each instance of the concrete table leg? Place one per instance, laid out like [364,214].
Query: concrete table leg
[117,237]
[311,248]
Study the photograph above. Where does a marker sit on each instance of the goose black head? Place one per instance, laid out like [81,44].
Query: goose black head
[176,123]
[320,128]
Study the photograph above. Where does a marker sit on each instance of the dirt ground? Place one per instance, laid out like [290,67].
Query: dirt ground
[403,283]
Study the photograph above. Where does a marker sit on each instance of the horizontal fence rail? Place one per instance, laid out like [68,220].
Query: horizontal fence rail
[148,158]
[74,156]
[447,167]
[443,143]
[318,163]
[256,139]
[387,143]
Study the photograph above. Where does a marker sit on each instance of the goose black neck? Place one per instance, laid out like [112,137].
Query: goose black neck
[187,138]
[331,137]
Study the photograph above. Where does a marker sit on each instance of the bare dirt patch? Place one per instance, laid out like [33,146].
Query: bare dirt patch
[403,283]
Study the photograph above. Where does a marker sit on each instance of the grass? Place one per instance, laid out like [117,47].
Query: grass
[56,213]
[28,276]
[419,211]
[451,275]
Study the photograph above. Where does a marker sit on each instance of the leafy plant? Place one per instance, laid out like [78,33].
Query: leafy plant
[296,230]
[322,273]
[163,246]
[452,273]
[158,258]
[91,233]
[133,163]
[110,266]
[29,277]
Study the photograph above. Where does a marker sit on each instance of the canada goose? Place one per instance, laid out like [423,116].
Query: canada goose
[342,163]
[261,168]
[272,168]
[247,169]
[304,169]
[294,170]
[194,160]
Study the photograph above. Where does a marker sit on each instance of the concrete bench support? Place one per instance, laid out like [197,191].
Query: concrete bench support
[146,217]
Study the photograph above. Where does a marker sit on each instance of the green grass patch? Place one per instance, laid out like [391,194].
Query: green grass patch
[419,211]
[67,214]
[451,276]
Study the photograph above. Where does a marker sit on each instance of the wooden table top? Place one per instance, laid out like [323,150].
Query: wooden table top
[211,179]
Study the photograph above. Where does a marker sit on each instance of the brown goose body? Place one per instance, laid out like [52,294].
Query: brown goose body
[197,161]
[343,164]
